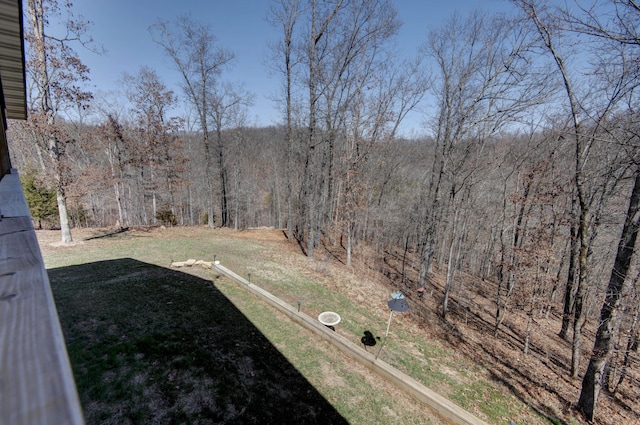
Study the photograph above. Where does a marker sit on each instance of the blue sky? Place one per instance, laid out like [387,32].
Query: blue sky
[121,27]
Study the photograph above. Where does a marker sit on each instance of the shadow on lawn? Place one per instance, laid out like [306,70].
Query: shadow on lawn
[153,345]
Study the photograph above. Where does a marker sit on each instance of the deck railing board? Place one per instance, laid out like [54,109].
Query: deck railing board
[36,381]
[12,201]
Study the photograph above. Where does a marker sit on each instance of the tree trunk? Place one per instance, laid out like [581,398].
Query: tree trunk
[289,136]
[451,266]
[154,207]
[569,292]
[578,321]
[224,202]
[527,338]
[404,259]
[632,345]
[54,152]
[206,140]
[449,282]
[350,227]
[116,188]
[424,267]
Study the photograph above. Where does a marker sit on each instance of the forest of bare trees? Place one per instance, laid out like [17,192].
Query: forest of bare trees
[527,175]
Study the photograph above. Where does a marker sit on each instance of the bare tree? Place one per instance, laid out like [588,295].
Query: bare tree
[56,72]
[285,14]
[633,333]
[368,93]
[355,100]
[227,110]
[193,49]
[315,46]
[621,37]
[114,144]
[484,82]
[158,154]
[591,117]
[593,381]
[587,118]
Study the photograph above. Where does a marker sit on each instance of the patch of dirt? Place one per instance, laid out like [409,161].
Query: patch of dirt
[331,378]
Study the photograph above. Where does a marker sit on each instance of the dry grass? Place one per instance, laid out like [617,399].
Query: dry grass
[150,344]
[459,358]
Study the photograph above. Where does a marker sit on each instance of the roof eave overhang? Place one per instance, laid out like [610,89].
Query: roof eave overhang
[12,58]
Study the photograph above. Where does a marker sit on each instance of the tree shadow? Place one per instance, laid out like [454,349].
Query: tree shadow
[333,252]
[108,234]
[521,383]
[152,345]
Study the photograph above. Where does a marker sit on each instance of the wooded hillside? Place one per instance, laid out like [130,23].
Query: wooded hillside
[527,175]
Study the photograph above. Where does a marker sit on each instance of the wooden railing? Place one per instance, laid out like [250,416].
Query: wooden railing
[36,381]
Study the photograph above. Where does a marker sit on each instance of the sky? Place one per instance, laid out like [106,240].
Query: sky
[121,27]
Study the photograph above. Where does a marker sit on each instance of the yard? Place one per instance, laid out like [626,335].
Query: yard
[154,344]
[149,344]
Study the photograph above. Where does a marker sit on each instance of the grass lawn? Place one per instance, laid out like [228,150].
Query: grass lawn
[150,344]
[154,344]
